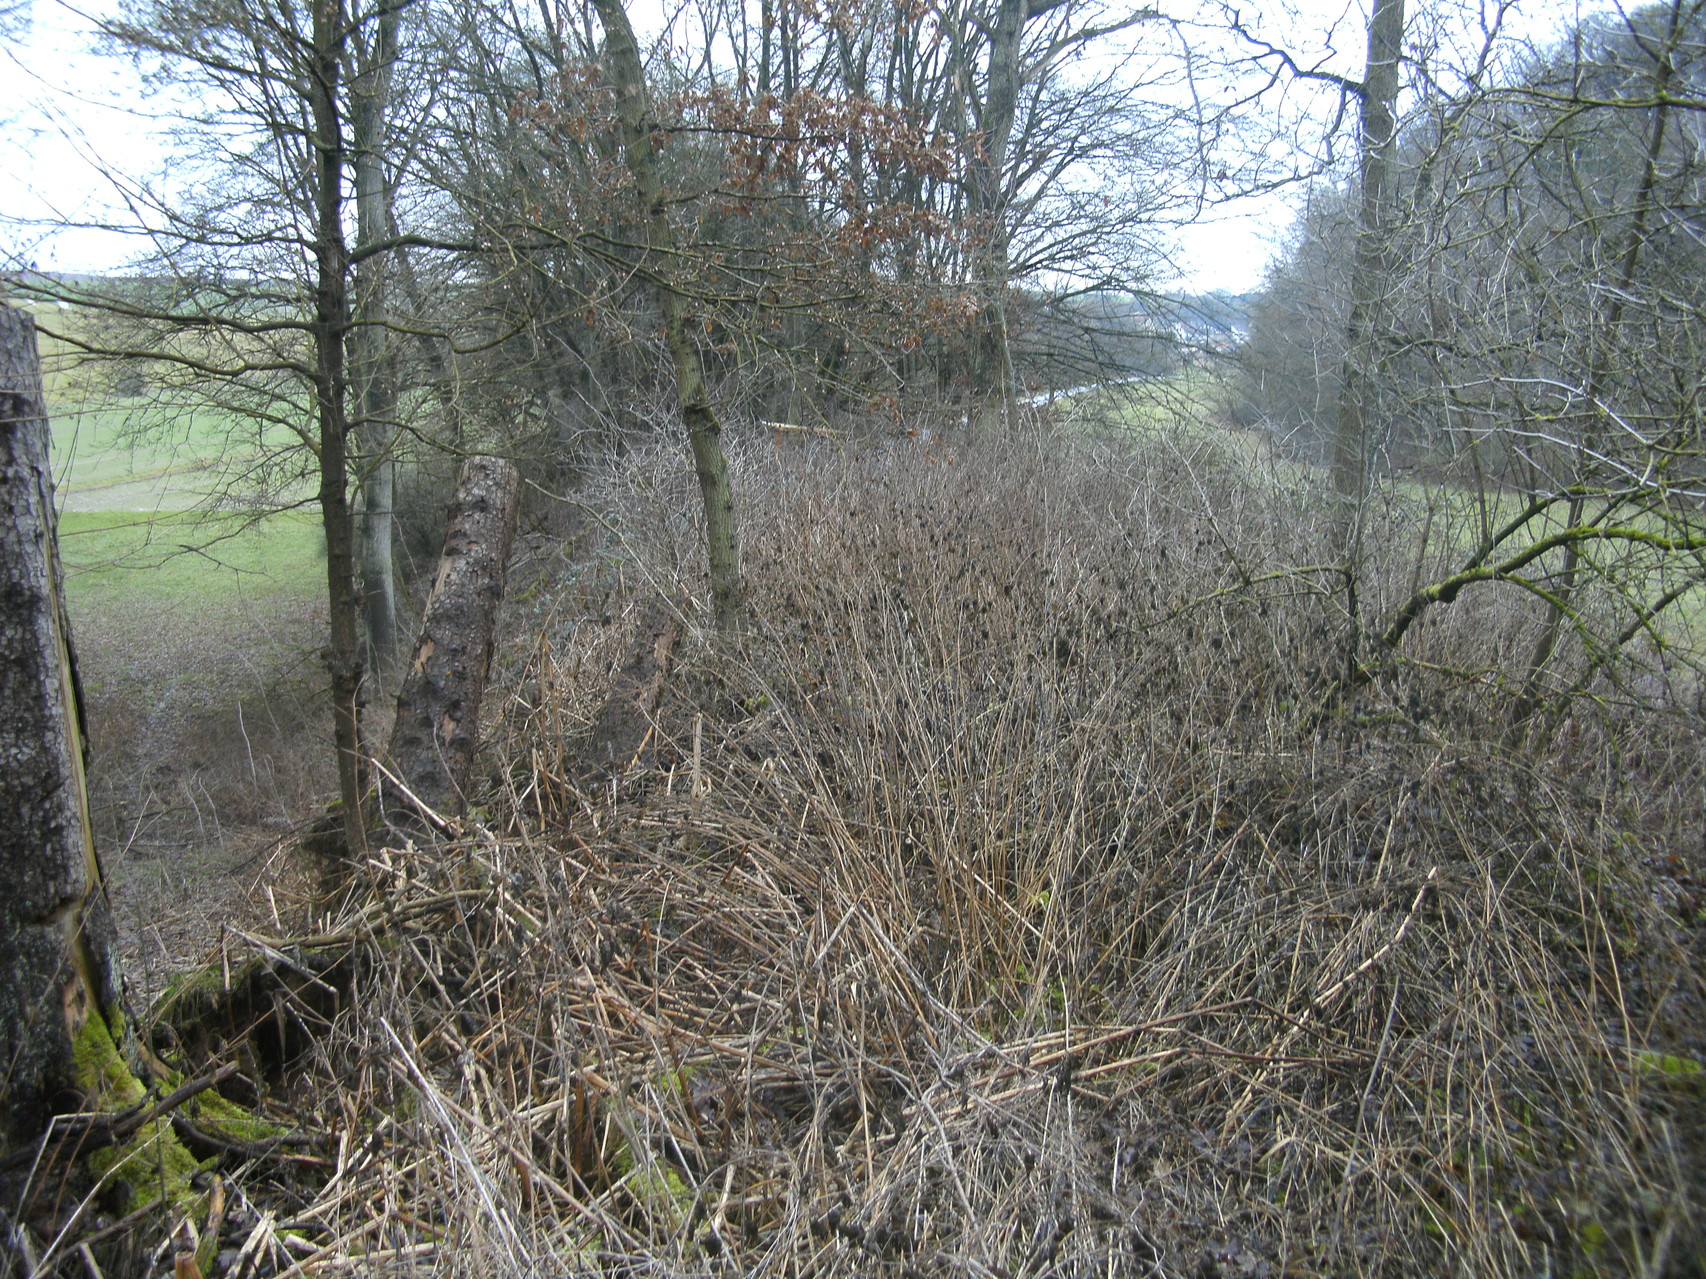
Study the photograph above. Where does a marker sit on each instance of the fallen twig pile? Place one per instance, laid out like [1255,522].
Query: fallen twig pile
[988,913]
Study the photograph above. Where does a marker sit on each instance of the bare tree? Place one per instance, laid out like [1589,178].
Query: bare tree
[704,431]
[374,49]
[255,301]
[1531,349]
[1370,280]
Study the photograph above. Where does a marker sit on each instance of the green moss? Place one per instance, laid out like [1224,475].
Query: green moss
[227,1119]
[152,1164]
[99,1069]
[661,1193]
[198,994]
[1592,1237]
[209,997]
[205,980]
[197,989]
[655,1187]
[1668,1066]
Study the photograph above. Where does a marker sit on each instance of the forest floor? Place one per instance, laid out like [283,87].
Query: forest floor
[207,757]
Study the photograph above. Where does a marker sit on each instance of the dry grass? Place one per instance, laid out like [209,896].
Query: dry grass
[992,909]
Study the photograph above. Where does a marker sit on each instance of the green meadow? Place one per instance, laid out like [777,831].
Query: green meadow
[142,517]
[1443,519]
[165,504]
[117,557]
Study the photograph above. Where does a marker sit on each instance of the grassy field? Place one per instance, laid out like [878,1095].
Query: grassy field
[153,452]
[162,503]
[1188,398]
[105,458]
[1441,516]
[153,456]
[113,558]
[150,527]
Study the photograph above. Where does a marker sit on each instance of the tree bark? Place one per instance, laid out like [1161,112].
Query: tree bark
[438,707]
[704,431]
[371,356]
[58,974]
[1370,281]
[331,385]
[993,389]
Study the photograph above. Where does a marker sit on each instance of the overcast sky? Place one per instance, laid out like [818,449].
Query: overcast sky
[78,117]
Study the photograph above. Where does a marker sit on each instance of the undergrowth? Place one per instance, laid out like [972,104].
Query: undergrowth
[1007,902]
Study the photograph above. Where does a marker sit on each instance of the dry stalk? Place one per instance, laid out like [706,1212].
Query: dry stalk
[1014,920]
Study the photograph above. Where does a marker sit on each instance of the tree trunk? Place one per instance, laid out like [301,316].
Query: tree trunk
[1370,281]
[704,431]
[993,392]
[378,543]
[331,386]
[438,708]
[374,365]
[57,970]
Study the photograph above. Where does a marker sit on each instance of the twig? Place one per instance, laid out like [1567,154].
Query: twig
[438,821]
[94,1132]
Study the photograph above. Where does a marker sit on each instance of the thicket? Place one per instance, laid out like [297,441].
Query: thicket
[1008,901]
[1100,852]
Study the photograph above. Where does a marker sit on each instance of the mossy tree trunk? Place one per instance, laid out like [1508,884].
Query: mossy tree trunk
[59,980]
[67,1042]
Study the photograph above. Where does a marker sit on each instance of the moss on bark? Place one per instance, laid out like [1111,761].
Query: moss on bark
[151,1165]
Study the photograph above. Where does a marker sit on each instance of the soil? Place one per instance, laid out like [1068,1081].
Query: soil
[206,756]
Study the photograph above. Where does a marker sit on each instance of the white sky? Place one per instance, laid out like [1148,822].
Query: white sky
[78,117]
[71,113]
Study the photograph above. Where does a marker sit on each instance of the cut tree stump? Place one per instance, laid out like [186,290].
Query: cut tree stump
[438,706]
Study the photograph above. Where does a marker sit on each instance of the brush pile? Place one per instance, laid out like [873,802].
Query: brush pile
[1005,904]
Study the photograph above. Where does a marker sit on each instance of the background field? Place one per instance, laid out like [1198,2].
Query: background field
[197,629]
